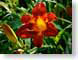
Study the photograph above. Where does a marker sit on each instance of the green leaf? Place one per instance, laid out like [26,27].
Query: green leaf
[37,0]
[61,6]
[57,38]
[33,50]
[10,34]
[5,6]
[58,26]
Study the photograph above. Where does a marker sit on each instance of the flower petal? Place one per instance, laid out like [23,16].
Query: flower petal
[40,25]
[38,40]
[45,17]
[51,30]
[39,9]
[51,16]
[25,31]
[25,18]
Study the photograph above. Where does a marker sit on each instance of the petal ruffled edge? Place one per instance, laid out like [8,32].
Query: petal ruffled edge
[25,31]
[48,17]
[39,9]
[51,16]
[51,30]
[26,18]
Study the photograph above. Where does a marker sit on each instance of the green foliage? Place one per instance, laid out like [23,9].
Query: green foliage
[11,12]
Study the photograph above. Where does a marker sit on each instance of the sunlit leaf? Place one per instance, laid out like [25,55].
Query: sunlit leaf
[9,33]
[33,50]
[5,6]
[57,38]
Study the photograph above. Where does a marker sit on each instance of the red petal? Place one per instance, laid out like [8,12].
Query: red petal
[38,40]
[45,17]
[25,31]
[39,9]
[51,16]
[25,18]
[51,30]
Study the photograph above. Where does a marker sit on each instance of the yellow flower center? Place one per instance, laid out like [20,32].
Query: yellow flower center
[41,24]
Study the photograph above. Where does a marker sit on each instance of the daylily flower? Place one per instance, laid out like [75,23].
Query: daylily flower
[38,25]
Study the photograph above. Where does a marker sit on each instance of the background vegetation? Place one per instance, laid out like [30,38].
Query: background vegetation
[12,10]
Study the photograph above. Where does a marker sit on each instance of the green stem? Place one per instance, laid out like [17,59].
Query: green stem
[31,44]
[64,20]
[68,27]
[49,6]
[19,44]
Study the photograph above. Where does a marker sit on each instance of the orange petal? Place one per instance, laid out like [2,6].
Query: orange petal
[49,17]
[39,9]
[51,30]
[38,40]
[40,25]
[25,31]
[25,18]
[45,17]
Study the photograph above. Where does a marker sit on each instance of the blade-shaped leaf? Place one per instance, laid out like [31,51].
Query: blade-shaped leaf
[57,38]
[5,6]
[9,33]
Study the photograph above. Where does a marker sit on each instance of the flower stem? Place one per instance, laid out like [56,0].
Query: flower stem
[64,20]
[19,44]
[31,44]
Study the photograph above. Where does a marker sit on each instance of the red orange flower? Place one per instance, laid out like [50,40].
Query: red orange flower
[38,25]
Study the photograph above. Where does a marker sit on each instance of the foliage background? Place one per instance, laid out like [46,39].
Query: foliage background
[12,10]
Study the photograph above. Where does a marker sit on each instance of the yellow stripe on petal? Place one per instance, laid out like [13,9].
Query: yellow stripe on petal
[41,24]
[9,33]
